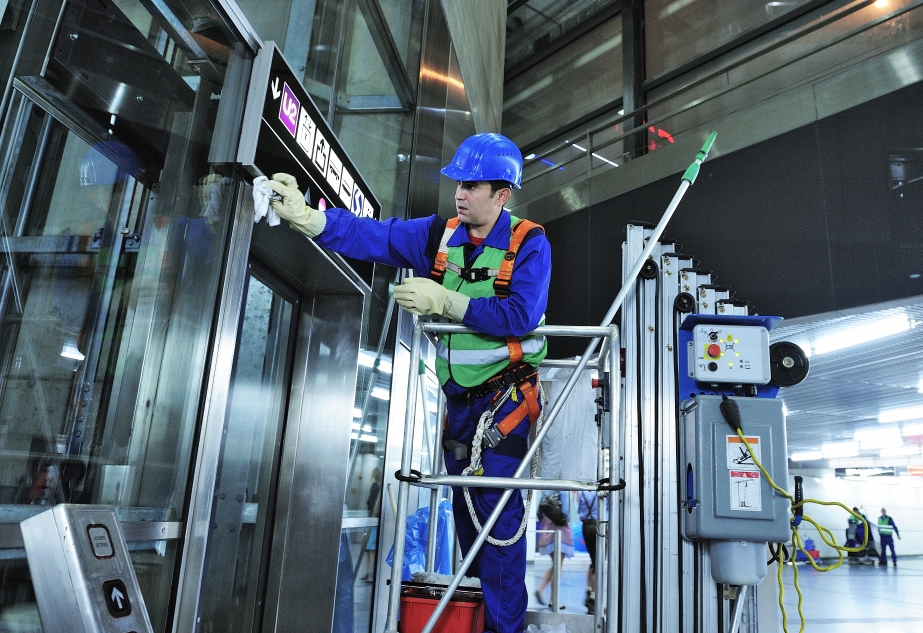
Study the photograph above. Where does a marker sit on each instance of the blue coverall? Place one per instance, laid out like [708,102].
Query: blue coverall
[887,540]
[403,244]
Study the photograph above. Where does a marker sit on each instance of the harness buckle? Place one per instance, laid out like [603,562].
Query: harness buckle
[472,275]
[492,437]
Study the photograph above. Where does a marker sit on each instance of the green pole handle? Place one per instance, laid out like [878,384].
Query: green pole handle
[693,169]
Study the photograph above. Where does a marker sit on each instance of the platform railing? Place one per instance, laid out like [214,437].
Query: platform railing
[609,336]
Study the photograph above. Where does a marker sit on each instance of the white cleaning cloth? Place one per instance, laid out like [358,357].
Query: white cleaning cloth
[261,195]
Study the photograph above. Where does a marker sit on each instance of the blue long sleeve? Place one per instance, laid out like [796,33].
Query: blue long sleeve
[395,242]
[402,243]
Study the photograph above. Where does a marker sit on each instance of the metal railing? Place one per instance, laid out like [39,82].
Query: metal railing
[610,338]
[587,147]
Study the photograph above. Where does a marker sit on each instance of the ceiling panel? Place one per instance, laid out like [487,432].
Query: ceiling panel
[847,389]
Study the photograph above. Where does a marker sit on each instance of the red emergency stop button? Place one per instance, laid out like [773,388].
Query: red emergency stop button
[714,350]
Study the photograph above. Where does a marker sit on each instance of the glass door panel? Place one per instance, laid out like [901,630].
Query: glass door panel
[244,500]
[113,220]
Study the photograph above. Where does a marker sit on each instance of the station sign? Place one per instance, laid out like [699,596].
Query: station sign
[283,131]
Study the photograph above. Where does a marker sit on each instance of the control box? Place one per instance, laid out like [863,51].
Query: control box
[724,353]
[83,578]
[726,495]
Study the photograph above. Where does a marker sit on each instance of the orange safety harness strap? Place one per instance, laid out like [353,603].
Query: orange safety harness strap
[519,232]
[529,407]
[437,274]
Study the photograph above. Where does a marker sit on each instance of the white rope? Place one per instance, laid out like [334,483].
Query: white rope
[475,468]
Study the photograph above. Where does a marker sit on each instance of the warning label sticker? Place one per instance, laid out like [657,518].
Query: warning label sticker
[745,490]
[739,457]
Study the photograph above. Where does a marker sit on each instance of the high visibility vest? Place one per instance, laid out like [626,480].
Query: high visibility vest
[884,526]
[473,359]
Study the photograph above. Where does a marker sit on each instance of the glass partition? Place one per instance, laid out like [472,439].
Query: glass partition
[584,76]
[244,497]
[676,32]
[113,218]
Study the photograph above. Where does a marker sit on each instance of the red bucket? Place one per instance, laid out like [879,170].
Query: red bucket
[463,614]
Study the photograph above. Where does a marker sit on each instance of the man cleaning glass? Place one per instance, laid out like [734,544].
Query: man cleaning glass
[490,271]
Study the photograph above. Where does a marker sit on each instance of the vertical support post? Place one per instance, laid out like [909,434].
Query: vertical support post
[434,493]
[556,573]
[614,507]
[403,490]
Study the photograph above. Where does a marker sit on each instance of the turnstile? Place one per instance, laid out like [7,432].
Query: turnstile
[82,574]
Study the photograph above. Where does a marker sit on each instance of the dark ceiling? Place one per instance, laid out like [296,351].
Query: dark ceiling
[826,217]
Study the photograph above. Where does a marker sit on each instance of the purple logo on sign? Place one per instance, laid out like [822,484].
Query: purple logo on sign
[288,111]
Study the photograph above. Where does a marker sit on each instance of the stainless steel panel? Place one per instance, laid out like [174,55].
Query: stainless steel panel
[314,467]
[198,525]
[480,45]
[234,576]
[152,530]
[443,119]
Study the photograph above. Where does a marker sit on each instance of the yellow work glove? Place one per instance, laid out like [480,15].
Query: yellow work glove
[292,207]
[424,296]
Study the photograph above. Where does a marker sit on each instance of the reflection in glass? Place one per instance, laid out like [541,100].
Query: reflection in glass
[244,495]
[112,223]
[678,32]
[584,76]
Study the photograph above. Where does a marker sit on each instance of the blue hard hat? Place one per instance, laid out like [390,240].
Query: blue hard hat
[108,162]
[486,156]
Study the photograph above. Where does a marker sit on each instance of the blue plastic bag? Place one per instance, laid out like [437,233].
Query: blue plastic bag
[415,542]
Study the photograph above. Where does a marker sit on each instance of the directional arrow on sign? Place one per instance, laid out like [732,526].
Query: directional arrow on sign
[117,597]
[276,92]
[117,600]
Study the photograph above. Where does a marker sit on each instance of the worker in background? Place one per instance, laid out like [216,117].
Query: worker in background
[886,527]
[455,264]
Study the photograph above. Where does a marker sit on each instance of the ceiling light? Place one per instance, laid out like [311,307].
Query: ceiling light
[897,415]
[884,442]
[381,393]
[840,449]
[912,430]
[880,433]
[357,413]
[804,456]
[884,437]
[861,334]
[901,451]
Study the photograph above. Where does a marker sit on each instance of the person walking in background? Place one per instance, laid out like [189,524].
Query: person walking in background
[554,519]
[587,510]
[886,527]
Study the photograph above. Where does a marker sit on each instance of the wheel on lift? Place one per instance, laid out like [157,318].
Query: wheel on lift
[788,364]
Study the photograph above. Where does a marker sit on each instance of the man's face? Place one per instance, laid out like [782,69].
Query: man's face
[884,512]
[477,208]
